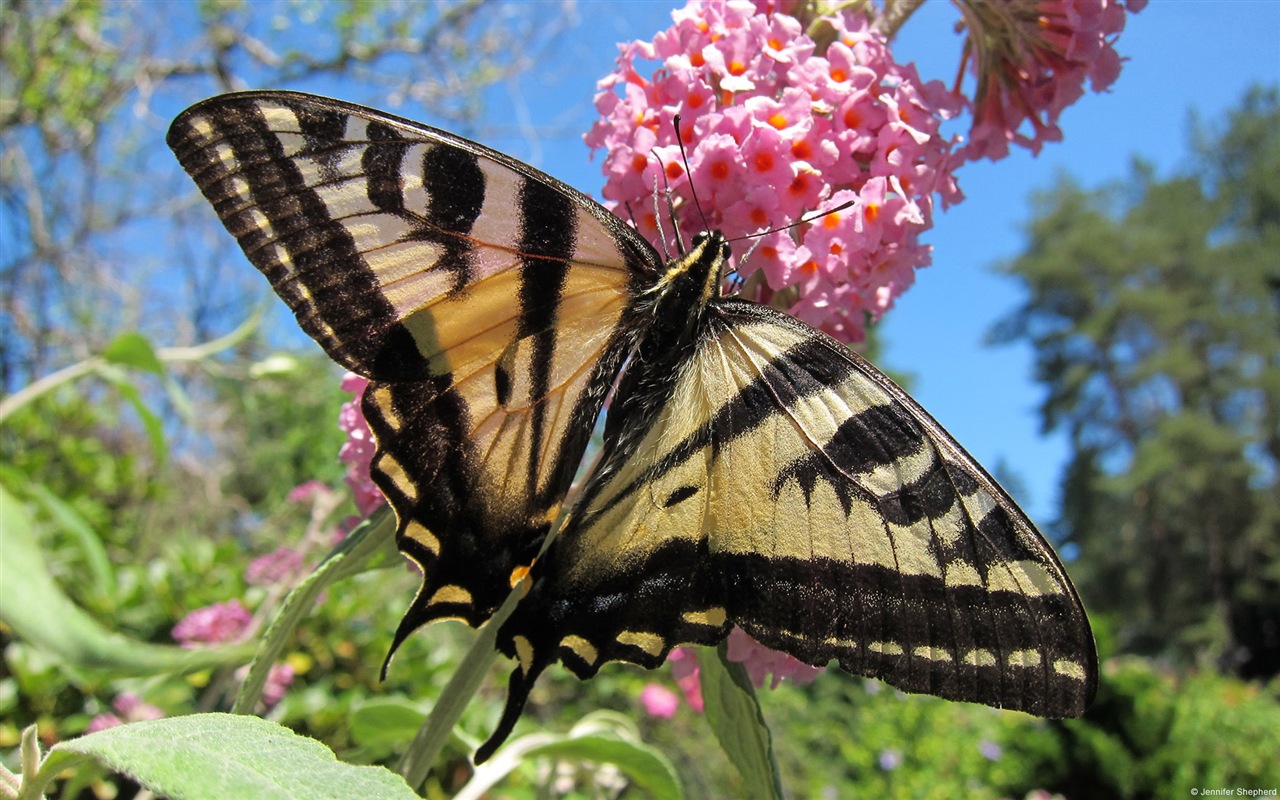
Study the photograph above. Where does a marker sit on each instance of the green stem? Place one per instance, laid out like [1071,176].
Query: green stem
[895,14]
[425,748]
[93,364]
[351,557]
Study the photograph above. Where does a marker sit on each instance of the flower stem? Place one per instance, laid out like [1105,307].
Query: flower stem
[896,13]
[431,738]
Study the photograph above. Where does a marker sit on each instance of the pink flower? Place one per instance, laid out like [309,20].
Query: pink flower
[307,491]
[659,701]
[215,624]
[1031,59]
[684,667]
[132,708]
[358,450]
[101,722]
[776,127]
[129,707]
[279,679]
[760,662]
[281,564]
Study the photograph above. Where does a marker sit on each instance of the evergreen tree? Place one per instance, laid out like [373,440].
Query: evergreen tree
[1154,310]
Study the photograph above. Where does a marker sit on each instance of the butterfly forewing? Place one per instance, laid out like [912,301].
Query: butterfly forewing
[481,297]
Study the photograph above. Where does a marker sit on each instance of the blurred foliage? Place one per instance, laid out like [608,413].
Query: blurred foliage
[1154,311]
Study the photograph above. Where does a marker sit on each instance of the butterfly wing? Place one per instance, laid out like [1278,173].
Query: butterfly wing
[482,298]
[790,488]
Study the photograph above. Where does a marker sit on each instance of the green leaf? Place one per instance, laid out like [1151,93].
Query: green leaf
[384,724]
[733,711]
[102,575]
[603,737]
[128,389]
[219,756]
[644,765]
[39,613]
[133,350]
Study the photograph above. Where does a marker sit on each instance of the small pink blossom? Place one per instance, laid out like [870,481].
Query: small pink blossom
[101,722]
[216,624]
[128,707]
[279,679]
[761,662]
[684,667]
[1031,59]
[310,490]
[281,564]
[358,450]
[659,701]
[133,708]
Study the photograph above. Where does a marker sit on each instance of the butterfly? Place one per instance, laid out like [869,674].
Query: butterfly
[754,471]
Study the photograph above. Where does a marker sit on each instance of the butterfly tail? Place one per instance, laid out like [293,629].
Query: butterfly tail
[522,679]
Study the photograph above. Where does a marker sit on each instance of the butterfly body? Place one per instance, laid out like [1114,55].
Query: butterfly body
[754,471]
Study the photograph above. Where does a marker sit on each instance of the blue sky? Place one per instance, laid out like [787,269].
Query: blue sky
[1184,56]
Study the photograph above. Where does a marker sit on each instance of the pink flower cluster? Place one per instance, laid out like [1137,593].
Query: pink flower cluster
[282,564]
[1031,59]
[357,451]
[659,701]
[279,679]
[777,128]
[216,624]
[128,707]
[760,662]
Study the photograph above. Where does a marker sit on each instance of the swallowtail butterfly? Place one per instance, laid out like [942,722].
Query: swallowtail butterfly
[754,471]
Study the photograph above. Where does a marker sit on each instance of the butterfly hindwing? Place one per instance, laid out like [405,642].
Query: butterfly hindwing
[790,488]
[482,298]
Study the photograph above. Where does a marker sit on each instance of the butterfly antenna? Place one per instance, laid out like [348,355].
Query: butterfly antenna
[671,204]
[810,218]
[759,237]
[684,156]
